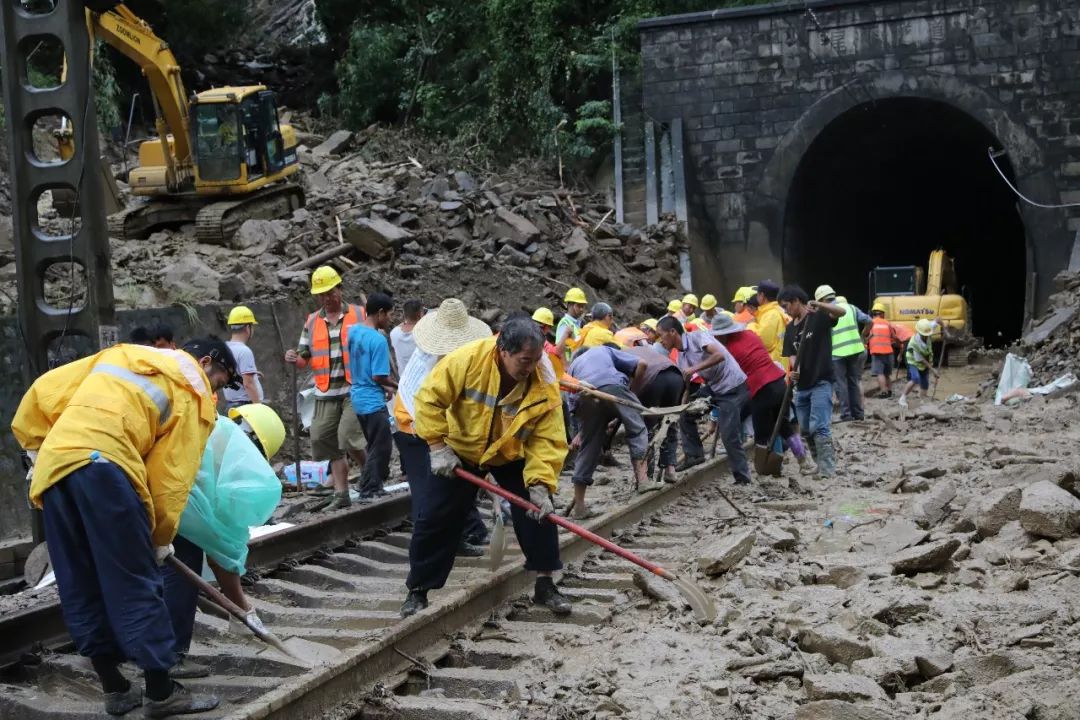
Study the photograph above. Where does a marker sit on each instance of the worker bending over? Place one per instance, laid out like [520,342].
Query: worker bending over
[610,370]
[661,385]
[116,440]
[725,386]
[490,407]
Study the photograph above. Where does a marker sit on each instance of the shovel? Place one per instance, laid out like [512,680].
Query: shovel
[218,597]
[766,460]
[702,605]
[498,535]
[582,387]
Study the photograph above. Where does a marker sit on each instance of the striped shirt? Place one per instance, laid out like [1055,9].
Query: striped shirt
[338,386]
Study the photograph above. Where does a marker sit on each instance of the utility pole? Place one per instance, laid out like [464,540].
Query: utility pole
[56,333]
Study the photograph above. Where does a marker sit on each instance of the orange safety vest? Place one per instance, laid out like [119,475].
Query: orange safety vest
[881,337]
[320,344]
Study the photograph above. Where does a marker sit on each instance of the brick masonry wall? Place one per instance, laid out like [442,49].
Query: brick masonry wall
[755,85]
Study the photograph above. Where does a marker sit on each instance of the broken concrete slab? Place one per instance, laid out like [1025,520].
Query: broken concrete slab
[777,537]
[840,710]
[1049,511]
[885,671]
[984,669]
[896,535]
[337,143]
[996,508]
[1049,325]
[514,228]
[723,554]
[842,686]
[576,245]
[924,558]
[512,256]
[930,509]
[375,237]
[934,663]
[835,643]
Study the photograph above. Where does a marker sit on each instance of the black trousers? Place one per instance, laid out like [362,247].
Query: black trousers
[664,391]
[416,460]
[764,408]
[441,517]
[376,427]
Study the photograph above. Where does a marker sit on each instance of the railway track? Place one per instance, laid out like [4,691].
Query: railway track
[336,584]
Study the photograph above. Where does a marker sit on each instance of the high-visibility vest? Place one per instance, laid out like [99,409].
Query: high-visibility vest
[881,337]
[320,345]
[575,330]
[845,336]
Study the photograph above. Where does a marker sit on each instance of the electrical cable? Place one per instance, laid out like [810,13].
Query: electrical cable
[994,155]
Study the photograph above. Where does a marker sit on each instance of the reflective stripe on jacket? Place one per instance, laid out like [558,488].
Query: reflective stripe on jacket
[319,333]
[881,337]
[846,340]
[457,405]
[145,410]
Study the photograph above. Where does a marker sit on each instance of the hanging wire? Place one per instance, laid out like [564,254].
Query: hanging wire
[994,155]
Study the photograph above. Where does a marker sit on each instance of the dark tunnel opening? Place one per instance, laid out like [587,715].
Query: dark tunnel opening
[887,183]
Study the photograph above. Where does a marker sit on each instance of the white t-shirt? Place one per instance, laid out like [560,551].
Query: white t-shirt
[245,365]
[404,345]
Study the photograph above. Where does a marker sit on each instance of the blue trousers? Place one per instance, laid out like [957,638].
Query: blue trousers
[111,590]
[416,459]
[441,518]
[180,594]
[814,410]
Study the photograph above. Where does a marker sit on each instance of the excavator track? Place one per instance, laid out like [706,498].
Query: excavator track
[217,222]
[139,221]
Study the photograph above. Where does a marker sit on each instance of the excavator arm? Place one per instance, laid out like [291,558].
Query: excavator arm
[122,29]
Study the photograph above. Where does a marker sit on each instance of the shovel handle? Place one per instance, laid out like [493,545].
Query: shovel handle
[589,390]
[214,594]
[564,523]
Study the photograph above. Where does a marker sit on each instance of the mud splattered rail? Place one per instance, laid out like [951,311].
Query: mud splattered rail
[339,595]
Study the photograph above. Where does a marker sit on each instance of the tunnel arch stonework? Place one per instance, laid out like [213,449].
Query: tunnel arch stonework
[756,87]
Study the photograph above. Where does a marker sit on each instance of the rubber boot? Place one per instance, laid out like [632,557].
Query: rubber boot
[826,457]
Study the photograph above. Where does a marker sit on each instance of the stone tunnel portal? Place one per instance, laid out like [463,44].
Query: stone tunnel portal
[887,182]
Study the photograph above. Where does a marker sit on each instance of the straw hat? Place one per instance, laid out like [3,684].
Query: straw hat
[448,328]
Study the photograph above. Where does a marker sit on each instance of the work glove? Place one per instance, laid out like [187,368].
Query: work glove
[254,622]
[162,553]
[444,460]
[541,498]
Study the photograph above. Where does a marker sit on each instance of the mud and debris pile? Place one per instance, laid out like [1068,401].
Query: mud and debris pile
[392,213]
[1051,345]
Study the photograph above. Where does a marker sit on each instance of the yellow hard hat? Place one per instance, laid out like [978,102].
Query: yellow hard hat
[241,315]
[743,294]
[599,336]
[708,302]
[878,307]
[690,299]
[924,327]
[674,306]
[265,423]
[544,316]
[324,279]
[651,323]
[575,295]
[823,291]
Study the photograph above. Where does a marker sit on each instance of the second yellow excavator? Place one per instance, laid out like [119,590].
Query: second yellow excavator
[220,156]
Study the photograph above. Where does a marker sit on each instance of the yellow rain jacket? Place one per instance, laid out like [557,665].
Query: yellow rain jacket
[147,411]
[458,405]
[769,326]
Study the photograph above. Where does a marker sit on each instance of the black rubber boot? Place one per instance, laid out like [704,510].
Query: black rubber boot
[545,593]
[185,669]
[414,603]
[120,703]
[466,549]
[181,702]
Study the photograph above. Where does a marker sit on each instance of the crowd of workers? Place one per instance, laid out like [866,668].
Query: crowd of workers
[128,455]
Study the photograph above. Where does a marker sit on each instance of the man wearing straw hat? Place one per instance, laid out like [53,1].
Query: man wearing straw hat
[491,406]
[436,334]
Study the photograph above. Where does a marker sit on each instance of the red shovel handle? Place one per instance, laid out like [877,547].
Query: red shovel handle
[563,522]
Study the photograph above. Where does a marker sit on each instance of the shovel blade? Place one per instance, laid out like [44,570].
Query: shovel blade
[498,540]
[700,603]
[767,462]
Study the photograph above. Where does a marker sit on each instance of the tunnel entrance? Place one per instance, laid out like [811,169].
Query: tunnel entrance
[886,183]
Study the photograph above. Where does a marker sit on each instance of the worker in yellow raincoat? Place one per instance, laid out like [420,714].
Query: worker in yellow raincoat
[491,407]
[116,440]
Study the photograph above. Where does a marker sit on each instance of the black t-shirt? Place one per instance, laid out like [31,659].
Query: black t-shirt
[815,364]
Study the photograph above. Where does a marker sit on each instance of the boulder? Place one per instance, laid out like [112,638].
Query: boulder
[336,144]
[778,538]
[924,558]
[835,643]
[985,669]
[934,663]
[256,236]
[931,508]
[375,237]
[576,245]
[896,535]
[189,279]
[464,181]
[723,554]
[515,229]
[840,710]
[885,671]
[996,508]
[842,686]
[512,256]
[1049,511]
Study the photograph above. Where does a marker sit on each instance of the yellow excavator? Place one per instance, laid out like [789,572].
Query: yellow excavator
[220,156]
[910,294]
